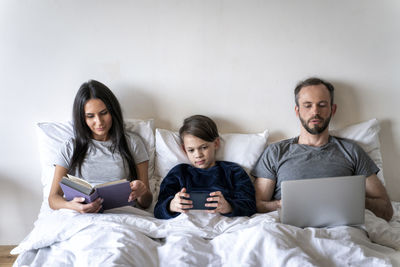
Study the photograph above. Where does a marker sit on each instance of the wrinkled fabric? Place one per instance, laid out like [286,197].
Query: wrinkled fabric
[132,237]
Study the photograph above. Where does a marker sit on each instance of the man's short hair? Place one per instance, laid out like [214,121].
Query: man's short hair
[309,82]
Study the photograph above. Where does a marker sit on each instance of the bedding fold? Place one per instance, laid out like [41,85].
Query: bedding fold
[133,236]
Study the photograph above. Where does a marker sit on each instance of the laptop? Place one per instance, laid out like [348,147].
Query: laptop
[323,202]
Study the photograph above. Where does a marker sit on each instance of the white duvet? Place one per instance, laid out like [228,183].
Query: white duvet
[132,237]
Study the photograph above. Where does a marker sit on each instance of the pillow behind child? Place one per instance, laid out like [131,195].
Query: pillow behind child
[51,136]
[243,149]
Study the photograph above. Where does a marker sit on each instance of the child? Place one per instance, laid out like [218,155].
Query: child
[232,191]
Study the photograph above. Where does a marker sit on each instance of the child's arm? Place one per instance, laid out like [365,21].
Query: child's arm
[243,202]
[170,189]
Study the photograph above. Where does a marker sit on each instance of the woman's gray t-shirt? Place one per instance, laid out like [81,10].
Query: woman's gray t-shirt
[100,164]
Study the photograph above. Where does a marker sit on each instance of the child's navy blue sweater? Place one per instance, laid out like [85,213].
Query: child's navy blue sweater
[227,177]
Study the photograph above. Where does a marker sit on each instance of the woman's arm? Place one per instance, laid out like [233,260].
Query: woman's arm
[140,187]
[57,201]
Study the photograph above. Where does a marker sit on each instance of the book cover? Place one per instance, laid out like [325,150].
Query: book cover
[70,193]
[114,194]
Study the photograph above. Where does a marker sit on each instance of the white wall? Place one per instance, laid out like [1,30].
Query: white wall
[236,61]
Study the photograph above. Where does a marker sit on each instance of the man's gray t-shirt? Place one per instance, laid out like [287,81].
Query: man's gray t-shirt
[100,164]
[288,160]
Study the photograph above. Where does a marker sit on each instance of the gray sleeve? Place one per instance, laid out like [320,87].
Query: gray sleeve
[265,165]
[364,165]
[137,147]
[64,155]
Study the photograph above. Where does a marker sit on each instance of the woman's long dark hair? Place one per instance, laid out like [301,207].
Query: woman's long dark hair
[83,135]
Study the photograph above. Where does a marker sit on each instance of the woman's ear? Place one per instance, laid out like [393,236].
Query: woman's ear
[217,142]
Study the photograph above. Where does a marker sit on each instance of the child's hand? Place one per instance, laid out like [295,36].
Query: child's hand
[178,204]
[222,206]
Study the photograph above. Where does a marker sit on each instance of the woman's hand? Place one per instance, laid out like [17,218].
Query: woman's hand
[57,201]
[221,205]
[93,207]
[179,204]
[138,189]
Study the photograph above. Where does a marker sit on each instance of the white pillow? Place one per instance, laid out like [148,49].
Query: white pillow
[366,134]
[51,135]
[244,149]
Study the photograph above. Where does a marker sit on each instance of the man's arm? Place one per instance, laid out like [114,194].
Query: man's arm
[264,191]
[377,200]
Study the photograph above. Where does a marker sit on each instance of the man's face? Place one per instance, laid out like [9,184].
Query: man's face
[315,109]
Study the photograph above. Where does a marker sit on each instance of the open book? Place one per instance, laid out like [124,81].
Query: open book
[115,194]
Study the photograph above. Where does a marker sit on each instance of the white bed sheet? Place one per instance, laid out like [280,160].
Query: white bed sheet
[132,237]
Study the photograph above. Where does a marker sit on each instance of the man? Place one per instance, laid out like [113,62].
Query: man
[315,153]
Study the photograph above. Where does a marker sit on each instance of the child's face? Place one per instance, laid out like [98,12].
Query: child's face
[200,153]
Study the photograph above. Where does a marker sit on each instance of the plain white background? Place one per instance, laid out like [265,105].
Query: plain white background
[236,61]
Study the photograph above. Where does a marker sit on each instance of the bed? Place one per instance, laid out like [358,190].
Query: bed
[129,236]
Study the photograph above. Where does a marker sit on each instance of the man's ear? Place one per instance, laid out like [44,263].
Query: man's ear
[296,109]
[334,107]
[217,142]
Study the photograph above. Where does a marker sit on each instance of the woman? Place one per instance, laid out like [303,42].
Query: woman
[101,150]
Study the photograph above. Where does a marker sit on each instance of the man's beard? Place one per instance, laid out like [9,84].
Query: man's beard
[316,129]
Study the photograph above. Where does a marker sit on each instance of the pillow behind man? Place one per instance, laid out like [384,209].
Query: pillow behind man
[366,134]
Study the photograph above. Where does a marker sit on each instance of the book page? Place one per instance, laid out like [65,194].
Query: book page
[112,182]
[79,181]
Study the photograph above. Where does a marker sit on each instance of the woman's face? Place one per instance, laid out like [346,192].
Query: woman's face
[200,153]
[98,118]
